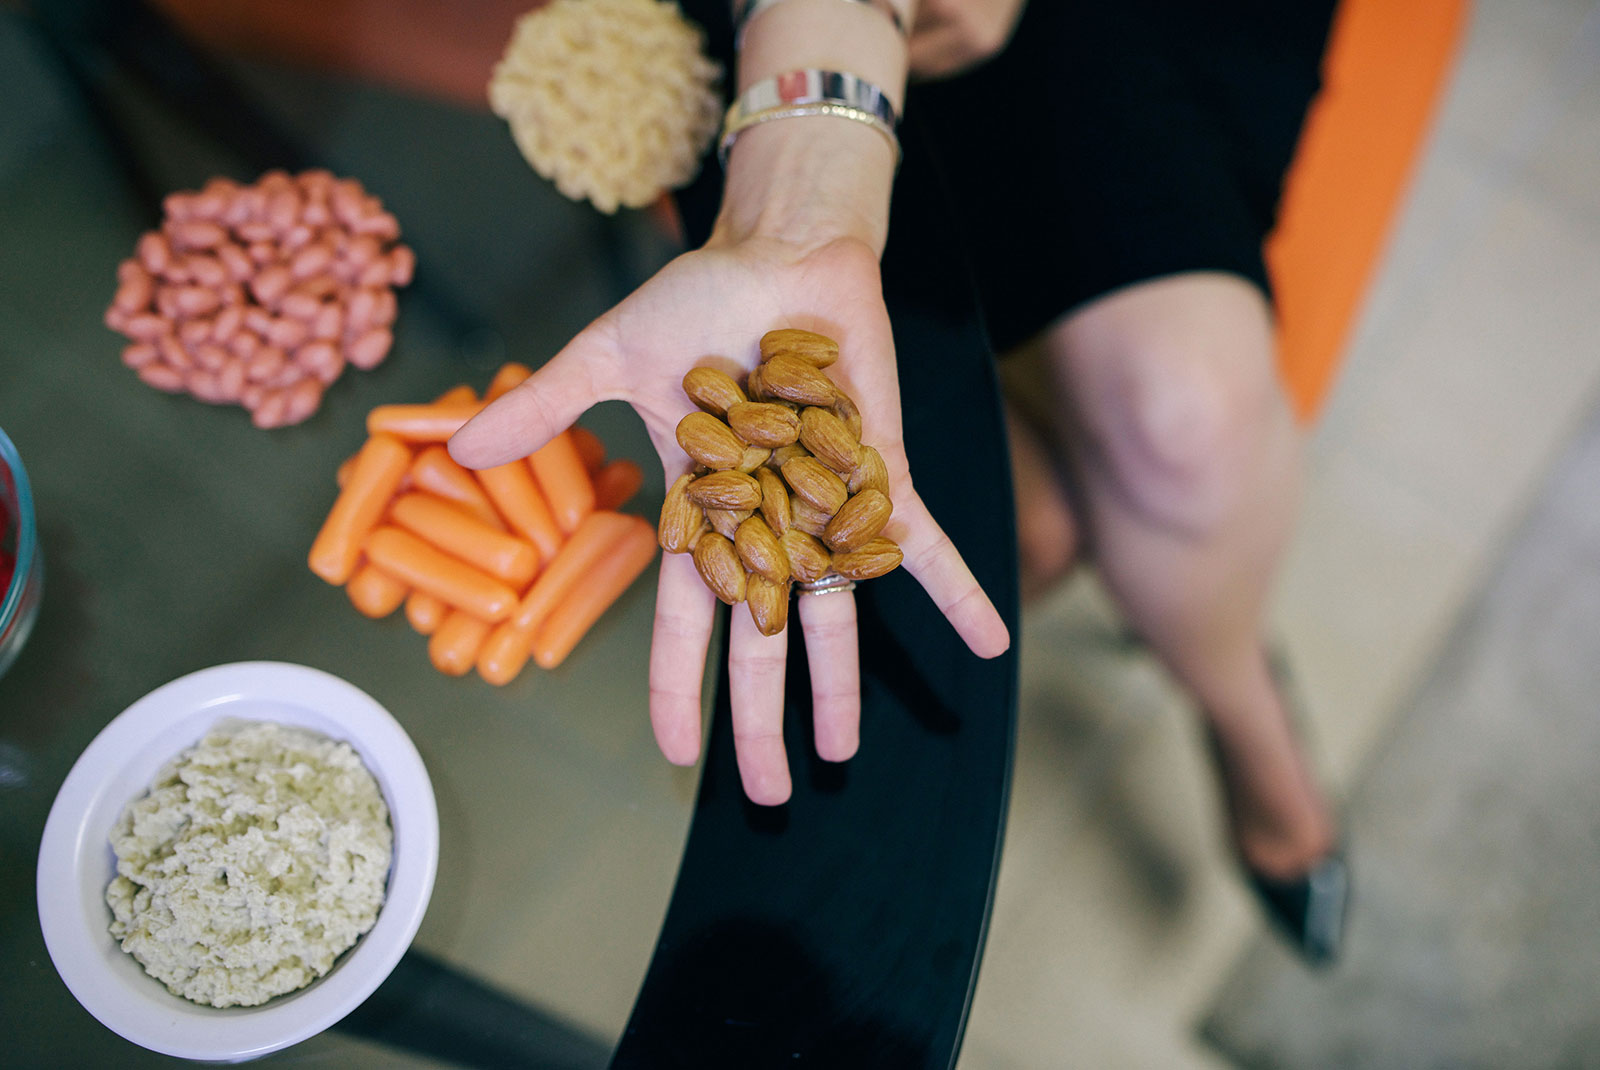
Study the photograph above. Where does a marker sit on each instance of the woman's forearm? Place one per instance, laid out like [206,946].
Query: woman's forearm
[815,179]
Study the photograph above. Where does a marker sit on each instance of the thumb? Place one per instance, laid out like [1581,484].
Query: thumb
[540,407]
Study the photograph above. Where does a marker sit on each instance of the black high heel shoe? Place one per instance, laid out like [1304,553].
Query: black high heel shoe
[1309,911]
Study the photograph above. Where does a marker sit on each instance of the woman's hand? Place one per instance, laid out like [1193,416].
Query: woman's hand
[711,307]
[949,36]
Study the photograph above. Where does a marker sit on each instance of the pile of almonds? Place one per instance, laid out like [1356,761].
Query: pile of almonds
[259,295]
[783,489]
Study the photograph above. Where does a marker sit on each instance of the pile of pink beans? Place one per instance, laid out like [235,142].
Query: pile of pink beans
[259,295]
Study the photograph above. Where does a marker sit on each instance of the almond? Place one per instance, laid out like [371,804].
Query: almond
[784,454]
[793,379]
[807,517]
[762,423]
[769,603]
[709,441]
[681,519]
[725,490]
[846,410]
[870,472]
[808,558]
[719,566]
[811,480]
[754,457]
[712,390]
[829,439]
[858,522]
[813,348]
[753,386]
[774,500]
[761,551]
[726,521]
[878,556]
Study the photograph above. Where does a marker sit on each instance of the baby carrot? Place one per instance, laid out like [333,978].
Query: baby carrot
[594,539]
[564,481]
[589,446]
[453,647]
[422,423]
[583,605]
[437,473]
[506,379]
[502,556]
[516,495]
[424,612]
[616,482]
[374,592]
[504,653]
[410,560]
[378,470]
[457,395]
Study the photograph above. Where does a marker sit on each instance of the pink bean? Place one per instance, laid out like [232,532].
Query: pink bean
[197,301]
[274,181]
[176,271]
[136,290]
[316,179]
[262,252]
[321,359]
[329,322]
[258,319]
[130,267]
[347,199]
[250,397]
[288,375]
[162,377]
[237,262]
[167,301]
[154,252]
[402,265]
[287,332]
[117,319]
[257,230]
[173,353]
[379,224]
[319,286]
[317,212]
[386,308]
[211,356]
[244,345]
[233,294]
[297,236]
[265,364]
[203,385]
[139,354]
[374,275]
[196,234]
[212,204]
[192,332]
[230,380]
[363,250]
[283,209]
[312,260]
[271,284]
[254,200]
[300,306]
[237,210]
[368,351]
[227,324]
[146,327]
[304,398]
[207,271]
[271,411]
[178,206]
[358,313]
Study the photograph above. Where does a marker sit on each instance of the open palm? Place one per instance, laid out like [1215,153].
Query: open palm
[710,307]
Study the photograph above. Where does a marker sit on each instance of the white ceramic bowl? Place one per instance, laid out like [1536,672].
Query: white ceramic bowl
[76,862]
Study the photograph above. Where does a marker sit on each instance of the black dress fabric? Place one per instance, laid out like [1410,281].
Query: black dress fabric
[1117,141]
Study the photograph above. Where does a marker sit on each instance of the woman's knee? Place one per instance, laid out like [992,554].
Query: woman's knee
[1180,405]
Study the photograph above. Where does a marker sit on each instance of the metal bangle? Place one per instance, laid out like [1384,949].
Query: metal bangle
[809,92]
[831,584]
[751,8]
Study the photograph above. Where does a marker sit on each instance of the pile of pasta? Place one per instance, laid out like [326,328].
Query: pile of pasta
[496,566]
[612,100]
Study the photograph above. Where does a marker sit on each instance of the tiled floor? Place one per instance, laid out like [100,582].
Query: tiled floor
[1479,352]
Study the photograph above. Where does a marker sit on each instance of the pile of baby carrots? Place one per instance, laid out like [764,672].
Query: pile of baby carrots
[494,566]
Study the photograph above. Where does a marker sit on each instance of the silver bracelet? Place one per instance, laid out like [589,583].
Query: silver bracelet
[751,8]
[809,92]
[832,583]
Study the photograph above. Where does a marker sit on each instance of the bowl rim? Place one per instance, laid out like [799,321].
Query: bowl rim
[27,530]
[91,962]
